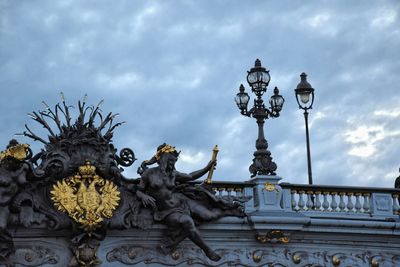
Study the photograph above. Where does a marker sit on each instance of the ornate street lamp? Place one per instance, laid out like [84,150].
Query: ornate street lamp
[305,98]
[258,78]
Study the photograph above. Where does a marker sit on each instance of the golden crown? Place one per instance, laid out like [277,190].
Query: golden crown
[165,149]
[87,170]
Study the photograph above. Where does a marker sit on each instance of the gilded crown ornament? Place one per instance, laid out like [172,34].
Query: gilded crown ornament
[86,197]
[165,149]
[17,151]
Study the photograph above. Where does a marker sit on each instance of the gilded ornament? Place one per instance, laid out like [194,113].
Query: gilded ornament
[296,258]
[18,151]
[273,236]
[284,239]
[175,255]
[86,197]
[256,258]
[335,261]
[165,149]
[211,171]
[269,187]
[374,263]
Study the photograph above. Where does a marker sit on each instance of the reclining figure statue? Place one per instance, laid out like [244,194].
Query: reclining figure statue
[181,205]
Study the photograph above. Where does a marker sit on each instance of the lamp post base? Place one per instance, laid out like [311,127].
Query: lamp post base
[262,163]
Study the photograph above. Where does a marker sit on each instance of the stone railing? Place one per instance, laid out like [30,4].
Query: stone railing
[267,194]
[342,199]
[231,188]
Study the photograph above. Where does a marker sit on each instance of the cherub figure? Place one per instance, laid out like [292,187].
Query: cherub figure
[13,172]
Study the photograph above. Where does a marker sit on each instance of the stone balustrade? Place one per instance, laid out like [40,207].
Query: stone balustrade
[343,199]
[338,200]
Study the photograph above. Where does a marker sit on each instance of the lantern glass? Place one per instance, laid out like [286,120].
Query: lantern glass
[304,93]
[276,101]
[305,97]
[258,78]
[242,98]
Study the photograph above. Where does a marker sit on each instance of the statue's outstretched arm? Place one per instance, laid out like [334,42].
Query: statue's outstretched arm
[184,177]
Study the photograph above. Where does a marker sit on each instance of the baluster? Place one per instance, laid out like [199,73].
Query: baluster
[238,192]
[358,202]
[317,202]
[309,203]
[301,201]
[325,203]
[293,200]
[220,191]
[366,202]
[333,202]
[350,205]
[342,205]
[229,190]
[396,204]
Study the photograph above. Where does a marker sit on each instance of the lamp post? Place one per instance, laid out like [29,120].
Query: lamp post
[305,98]
[258,78]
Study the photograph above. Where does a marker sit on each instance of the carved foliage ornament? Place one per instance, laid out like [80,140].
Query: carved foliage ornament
[86,197]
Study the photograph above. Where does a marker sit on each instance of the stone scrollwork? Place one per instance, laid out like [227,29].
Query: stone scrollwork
[186,256]
[36,256]
[183,256]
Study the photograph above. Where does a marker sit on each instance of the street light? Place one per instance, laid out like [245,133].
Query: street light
[305,98]
[258,78]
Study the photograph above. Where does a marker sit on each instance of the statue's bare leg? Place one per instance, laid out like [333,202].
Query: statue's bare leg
[187,224]
[201,212]
[205,214]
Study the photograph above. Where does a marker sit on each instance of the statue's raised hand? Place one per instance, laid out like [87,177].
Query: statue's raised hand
[212,163]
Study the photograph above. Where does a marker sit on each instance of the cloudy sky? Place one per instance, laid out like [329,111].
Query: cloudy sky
[172,68]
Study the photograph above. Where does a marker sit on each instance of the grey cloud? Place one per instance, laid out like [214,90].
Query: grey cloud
[171,69]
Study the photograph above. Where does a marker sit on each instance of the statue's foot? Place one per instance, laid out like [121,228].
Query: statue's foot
[212,255]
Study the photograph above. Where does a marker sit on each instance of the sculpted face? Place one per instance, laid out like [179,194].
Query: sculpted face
[167,161]
[171,160]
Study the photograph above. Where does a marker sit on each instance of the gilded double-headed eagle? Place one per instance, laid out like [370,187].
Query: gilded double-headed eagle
[86,197]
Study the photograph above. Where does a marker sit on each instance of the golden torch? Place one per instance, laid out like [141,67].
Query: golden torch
[211,171]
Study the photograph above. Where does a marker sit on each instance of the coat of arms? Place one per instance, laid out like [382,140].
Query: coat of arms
[86,197]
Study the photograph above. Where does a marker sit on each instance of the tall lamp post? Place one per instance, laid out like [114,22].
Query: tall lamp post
[305,98]
[258,78]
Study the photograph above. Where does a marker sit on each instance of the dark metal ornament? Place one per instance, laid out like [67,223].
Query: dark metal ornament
[305,99]
[258,79]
